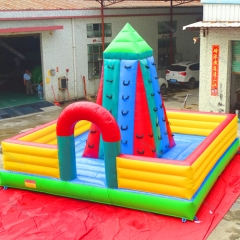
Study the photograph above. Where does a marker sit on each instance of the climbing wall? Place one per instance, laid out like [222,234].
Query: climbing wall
[129,90]
[126,100]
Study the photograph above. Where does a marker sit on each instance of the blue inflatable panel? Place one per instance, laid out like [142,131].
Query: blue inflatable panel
[91,171]
[126,104]
[80,143]
[163,146]
[185,145]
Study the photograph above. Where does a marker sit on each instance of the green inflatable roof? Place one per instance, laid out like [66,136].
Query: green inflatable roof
[129,45]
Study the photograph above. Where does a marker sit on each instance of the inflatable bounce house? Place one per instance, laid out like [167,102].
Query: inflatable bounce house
[125,149]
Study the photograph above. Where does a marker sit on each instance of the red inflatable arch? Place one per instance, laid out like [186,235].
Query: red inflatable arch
[65,135]
[91,112]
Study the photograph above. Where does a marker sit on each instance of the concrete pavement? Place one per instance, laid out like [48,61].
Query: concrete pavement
[181,99]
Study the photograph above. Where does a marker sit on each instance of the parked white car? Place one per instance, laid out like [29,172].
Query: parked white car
[163,85]
[183,73]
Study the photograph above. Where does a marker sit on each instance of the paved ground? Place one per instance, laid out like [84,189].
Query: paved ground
[181,99]
[228,228]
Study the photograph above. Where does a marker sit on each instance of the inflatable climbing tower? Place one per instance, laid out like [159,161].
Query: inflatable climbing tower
[130,91]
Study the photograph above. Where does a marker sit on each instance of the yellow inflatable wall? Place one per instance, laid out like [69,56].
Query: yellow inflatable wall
[179,179]
[36,153]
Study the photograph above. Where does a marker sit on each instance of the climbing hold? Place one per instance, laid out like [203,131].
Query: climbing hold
[124,113]
[110,81]
[153,149]
[140,152]
[91,146]
[159,137]
[111,67]
[122,128]
[150,134]
[139,136]
[125,142]
[152,94]
[109,96]
[127,66]
[155,109]
[149,80]
[125,98]
[125,84]
[93,131]
[146,66]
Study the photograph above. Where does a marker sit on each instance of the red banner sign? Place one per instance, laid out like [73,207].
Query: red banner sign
[215,70]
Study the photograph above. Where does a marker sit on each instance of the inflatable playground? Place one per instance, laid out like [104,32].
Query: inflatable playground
[126,149]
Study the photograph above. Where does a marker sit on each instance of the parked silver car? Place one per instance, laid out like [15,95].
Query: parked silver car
[183,73]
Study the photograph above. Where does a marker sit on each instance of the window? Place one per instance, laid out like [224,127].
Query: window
[194,67]
[164,52]
[166,28]
[95,60]
[177,68]
[95,30]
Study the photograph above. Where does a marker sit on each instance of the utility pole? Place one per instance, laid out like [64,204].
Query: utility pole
[171,42]
[103,30]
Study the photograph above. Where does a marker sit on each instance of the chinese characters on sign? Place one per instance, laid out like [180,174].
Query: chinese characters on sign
[215,65]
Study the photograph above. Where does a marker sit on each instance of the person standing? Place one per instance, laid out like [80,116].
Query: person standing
[27,82]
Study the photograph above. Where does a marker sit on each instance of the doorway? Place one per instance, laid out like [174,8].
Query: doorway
[235,78]
[17,54]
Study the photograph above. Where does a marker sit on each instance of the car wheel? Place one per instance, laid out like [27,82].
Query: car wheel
[191,83]
[163,89]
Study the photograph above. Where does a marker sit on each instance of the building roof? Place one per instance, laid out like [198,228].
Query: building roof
[31,29]
[220,1]
[20,5]
[212,25]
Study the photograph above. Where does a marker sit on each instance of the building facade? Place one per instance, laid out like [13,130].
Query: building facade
[71,47]
[219,56]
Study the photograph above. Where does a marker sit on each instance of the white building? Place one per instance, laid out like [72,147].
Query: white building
[220,73]
[68,35]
